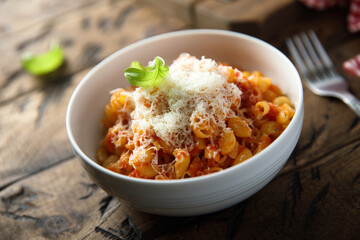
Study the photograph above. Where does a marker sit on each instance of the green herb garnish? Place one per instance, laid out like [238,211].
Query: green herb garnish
[44,63]
[149,76]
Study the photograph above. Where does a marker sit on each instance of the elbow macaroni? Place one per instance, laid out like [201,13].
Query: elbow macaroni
[255,120]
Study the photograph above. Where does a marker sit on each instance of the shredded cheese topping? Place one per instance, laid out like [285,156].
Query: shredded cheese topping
[195,92]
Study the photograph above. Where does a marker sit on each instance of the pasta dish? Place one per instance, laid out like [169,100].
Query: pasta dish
[204,117]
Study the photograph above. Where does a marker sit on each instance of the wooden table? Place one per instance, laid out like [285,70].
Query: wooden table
[45,193]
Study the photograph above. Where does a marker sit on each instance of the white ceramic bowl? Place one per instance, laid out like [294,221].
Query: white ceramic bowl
[193,196]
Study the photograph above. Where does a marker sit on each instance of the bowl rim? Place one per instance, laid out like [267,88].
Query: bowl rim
[298,117]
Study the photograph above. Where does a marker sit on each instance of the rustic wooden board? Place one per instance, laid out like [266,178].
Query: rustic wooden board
[43,111]
[45,194]
[291,206]
[33,130]
[59,203]
[321,196]
[88,35]
[181,9]
[252,17]
[306,202]
[32,112]
[20,17]
[261,18]
[311,202]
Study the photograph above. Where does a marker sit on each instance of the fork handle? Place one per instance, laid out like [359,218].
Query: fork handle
[352,102]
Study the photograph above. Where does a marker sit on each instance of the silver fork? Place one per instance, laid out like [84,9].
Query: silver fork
[318,70]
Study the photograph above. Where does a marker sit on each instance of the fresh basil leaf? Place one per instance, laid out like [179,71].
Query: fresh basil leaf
[136,64]
[44,63]
[149,76]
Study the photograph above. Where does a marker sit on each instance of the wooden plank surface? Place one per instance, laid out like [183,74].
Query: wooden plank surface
[31,109]
[15,15]
[87,35]
[261,18]
[47,209]
[45,194]
[34,128]
[296,205]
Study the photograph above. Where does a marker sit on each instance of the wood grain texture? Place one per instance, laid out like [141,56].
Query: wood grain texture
[306,203]
[20,17]
[45,194]
[87,35]
[181,9]
[33,111]
[257,17]
[63,205]
[33,130]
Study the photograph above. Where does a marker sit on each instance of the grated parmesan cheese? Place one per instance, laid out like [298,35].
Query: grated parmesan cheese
[194,88]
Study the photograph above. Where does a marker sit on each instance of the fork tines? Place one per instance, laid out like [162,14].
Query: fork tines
[318,71]
[310,56]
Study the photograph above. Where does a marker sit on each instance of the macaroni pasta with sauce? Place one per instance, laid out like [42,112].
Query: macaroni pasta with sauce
[204,117]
